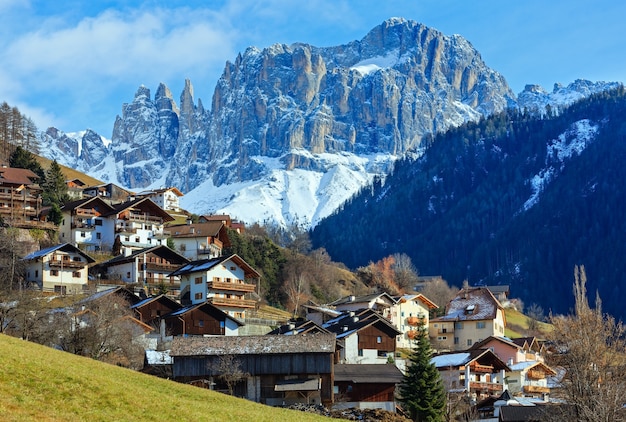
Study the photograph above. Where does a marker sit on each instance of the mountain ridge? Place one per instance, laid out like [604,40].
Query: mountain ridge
[283,109]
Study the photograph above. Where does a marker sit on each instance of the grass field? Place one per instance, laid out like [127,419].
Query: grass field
[517,324]
[38,383]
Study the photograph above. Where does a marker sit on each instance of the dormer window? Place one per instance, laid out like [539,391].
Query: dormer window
[469,310]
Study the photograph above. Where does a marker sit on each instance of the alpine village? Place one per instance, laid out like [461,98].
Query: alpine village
[260,313]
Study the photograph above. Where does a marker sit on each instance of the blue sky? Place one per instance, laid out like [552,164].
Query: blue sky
[73,63]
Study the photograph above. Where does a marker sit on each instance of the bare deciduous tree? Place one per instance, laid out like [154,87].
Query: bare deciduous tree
[229,369]
[591,347]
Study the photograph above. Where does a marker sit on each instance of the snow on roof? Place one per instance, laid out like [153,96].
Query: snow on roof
[155,357]
[452,359]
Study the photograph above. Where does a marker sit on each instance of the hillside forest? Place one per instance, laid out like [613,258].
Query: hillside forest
[463,208]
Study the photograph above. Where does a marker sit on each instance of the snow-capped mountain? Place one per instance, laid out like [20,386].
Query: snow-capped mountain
[293,131]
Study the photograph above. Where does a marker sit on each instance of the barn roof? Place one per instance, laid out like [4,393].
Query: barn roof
[253,345]
[368,373]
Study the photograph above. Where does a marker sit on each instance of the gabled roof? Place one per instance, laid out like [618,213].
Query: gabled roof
[17,176]
[252,345]
[119,290]
[368,373]
[472,304]
[521,366]
[351,322]
[205,307]
[63,247]
[143,205]
[174,190]
[204,265]
[528,343]
[159,250]
[415,297]
[171,303]
[93,202]
[322,309]
[212,228]
[504,340]
[456,359]
[385,297]
[299,327]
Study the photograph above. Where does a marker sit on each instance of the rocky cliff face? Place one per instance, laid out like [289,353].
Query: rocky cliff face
[380,94]
[343,114]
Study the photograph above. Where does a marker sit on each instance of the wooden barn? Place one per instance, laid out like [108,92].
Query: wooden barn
[152,309]
[366,386]
[201,319]
[274,370]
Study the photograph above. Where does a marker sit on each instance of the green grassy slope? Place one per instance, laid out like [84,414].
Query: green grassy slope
[38,383]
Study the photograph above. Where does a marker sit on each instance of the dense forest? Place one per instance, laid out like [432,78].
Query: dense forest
[16,130]
[462,209]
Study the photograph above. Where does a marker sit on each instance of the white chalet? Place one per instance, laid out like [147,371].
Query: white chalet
[139,224]
[219,281]
[407,314]
[166,198]
[86,224]
[61,269]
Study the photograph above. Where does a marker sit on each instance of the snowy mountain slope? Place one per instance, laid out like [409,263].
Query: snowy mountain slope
[293,131]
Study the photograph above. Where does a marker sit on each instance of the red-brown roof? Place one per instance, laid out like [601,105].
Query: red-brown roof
[17,176]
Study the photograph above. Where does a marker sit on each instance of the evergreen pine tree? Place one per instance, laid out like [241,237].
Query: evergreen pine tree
[54,187]
[24,159]
[421,391]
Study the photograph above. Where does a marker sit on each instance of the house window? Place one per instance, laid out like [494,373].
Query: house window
[440,338]
[76,258]
[98,222]
[36,273]
[458,325]
[360,352]
[379,339]
[469,342]
[233,268]
[198,280]
[228,279]
[198,296]
[456,340]
[54,273]
[60,289]
[98,236]
[137,239]
[76,274]
[199,323]
[126,238]
[82,234]
[480,324]
[128,274]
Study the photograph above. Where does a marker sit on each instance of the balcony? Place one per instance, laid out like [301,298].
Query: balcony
[58,263]
[83,225]
[483,369]
[491,387]
[144,218]
[414,321]
[153,266]
[124,229]
[85,212]
[536,374]
[232,303]
[536,389]
[238,287]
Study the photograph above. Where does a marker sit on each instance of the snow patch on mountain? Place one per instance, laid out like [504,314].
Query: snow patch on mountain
[286,197]
[572,142]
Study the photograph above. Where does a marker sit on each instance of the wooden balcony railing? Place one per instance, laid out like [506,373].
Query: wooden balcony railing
[485,386]
[233,303]
[485,369]
[536,389]
[536,374]
[239,287]
[153,266]
[57,263]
